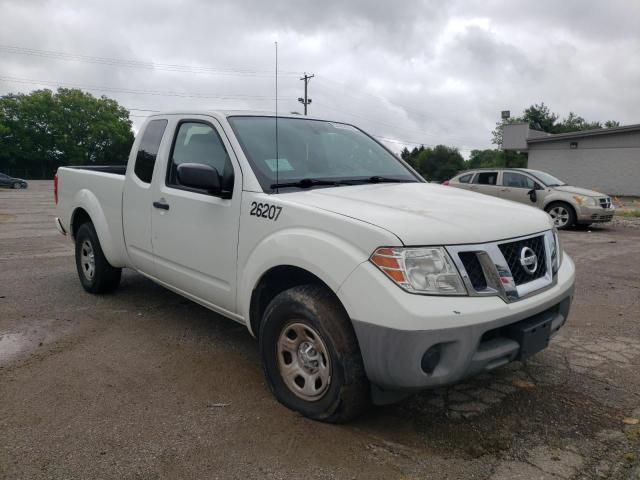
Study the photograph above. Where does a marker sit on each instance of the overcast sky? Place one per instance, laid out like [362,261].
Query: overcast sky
[410,71]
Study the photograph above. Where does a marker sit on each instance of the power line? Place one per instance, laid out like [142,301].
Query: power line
[419,132]
[377,97]
[130,63]
[58,55]
[103,88]
[395,127]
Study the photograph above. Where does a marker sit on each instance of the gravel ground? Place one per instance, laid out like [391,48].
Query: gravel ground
[144,384]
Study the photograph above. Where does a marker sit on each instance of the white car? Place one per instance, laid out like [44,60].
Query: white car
[361,281]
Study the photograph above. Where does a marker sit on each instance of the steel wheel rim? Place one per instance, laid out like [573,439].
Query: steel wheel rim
[560,216]
[87,260]
[303,361]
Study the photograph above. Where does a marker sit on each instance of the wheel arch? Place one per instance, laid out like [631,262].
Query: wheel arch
[88,208]
[275,280]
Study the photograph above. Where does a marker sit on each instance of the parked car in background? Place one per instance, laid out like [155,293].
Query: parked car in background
[12,182]
[567,205]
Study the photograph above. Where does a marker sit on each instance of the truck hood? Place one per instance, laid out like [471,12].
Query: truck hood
[579,191]
[427,214]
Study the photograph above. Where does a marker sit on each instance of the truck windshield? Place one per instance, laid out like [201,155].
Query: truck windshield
[314,153]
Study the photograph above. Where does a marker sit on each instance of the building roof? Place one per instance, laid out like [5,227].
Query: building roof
[551,137]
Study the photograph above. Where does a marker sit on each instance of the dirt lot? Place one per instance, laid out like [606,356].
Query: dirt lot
[145,384]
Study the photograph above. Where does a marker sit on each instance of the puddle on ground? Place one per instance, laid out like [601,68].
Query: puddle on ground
[12,344]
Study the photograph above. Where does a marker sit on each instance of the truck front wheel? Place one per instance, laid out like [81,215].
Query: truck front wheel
[95,272]
[311,357]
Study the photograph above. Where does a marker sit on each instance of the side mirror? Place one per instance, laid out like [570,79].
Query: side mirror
[533,195]
[196,175]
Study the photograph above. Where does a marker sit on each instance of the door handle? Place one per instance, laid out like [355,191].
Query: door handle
[161,205]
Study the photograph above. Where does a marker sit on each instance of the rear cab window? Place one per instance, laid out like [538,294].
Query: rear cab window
[486,178]
[148,149]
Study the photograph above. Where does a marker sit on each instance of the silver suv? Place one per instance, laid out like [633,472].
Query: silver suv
[567,205]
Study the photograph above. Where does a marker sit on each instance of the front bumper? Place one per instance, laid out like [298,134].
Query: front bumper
[395,329]
[597,214]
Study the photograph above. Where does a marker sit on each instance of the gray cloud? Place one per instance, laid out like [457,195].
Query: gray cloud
[413,71]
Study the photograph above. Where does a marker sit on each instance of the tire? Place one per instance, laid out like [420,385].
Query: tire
[16,186]
[317,319]
[562,214]
[95,272]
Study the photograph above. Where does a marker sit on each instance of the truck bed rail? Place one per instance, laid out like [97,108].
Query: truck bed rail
[115,169]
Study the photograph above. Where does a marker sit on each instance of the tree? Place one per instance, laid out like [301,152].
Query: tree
[438,163]
[494,158]
[539,117]
[44,130]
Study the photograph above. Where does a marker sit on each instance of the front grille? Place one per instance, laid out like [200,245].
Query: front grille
[605,202]
[474,270]
[512,251]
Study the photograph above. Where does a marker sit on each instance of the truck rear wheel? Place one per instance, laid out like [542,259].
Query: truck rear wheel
[311,357]
[95,272]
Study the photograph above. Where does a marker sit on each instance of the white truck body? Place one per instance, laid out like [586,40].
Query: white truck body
[217,251]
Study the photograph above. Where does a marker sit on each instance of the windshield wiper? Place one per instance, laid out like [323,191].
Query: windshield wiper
[313,182]
[306,183]
[377,179]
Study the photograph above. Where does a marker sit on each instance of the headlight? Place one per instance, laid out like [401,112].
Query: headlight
[582,200]
[556,251]
[427,270]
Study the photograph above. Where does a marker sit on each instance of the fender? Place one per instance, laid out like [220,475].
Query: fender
[113,250]
[556,197]
[327,256]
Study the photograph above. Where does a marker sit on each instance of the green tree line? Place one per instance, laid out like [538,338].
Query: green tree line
[43,130]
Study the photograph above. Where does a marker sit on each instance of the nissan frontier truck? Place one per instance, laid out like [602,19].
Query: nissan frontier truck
[361,281]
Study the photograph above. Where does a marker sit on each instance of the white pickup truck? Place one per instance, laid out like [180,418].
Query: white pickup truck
[361,281]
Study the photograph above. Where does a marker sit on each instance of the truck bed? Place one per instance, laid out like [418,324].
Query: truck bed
[98,191]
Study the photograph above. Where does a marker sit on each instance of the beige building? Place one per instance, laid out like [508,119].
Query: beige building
[605,159]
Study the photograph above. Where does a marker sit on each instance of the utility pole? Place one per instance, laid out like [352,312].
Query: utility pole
[305,101]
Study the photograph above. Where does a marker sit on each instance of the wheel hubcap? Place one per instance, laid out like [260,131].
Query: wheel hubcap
[560,216]
[87,260]
[303,361]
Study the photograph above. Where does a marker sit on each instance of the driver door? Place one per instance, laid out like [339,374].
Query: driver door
[194,232]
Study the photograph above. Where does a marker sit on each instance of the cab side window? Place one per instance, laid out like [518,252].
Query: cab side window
[148,150]
[198,142]
[517,180]
[486,178]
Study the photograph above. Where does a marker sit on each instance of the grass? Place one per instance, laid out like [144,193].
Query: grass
[629,213]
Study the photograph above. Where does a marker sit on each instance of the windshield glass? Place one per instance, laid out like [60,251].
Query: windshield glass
[313,149]
[548,180]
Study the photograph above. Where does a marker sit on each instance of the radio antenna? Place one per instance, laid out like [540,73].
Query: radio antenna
[277,155]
